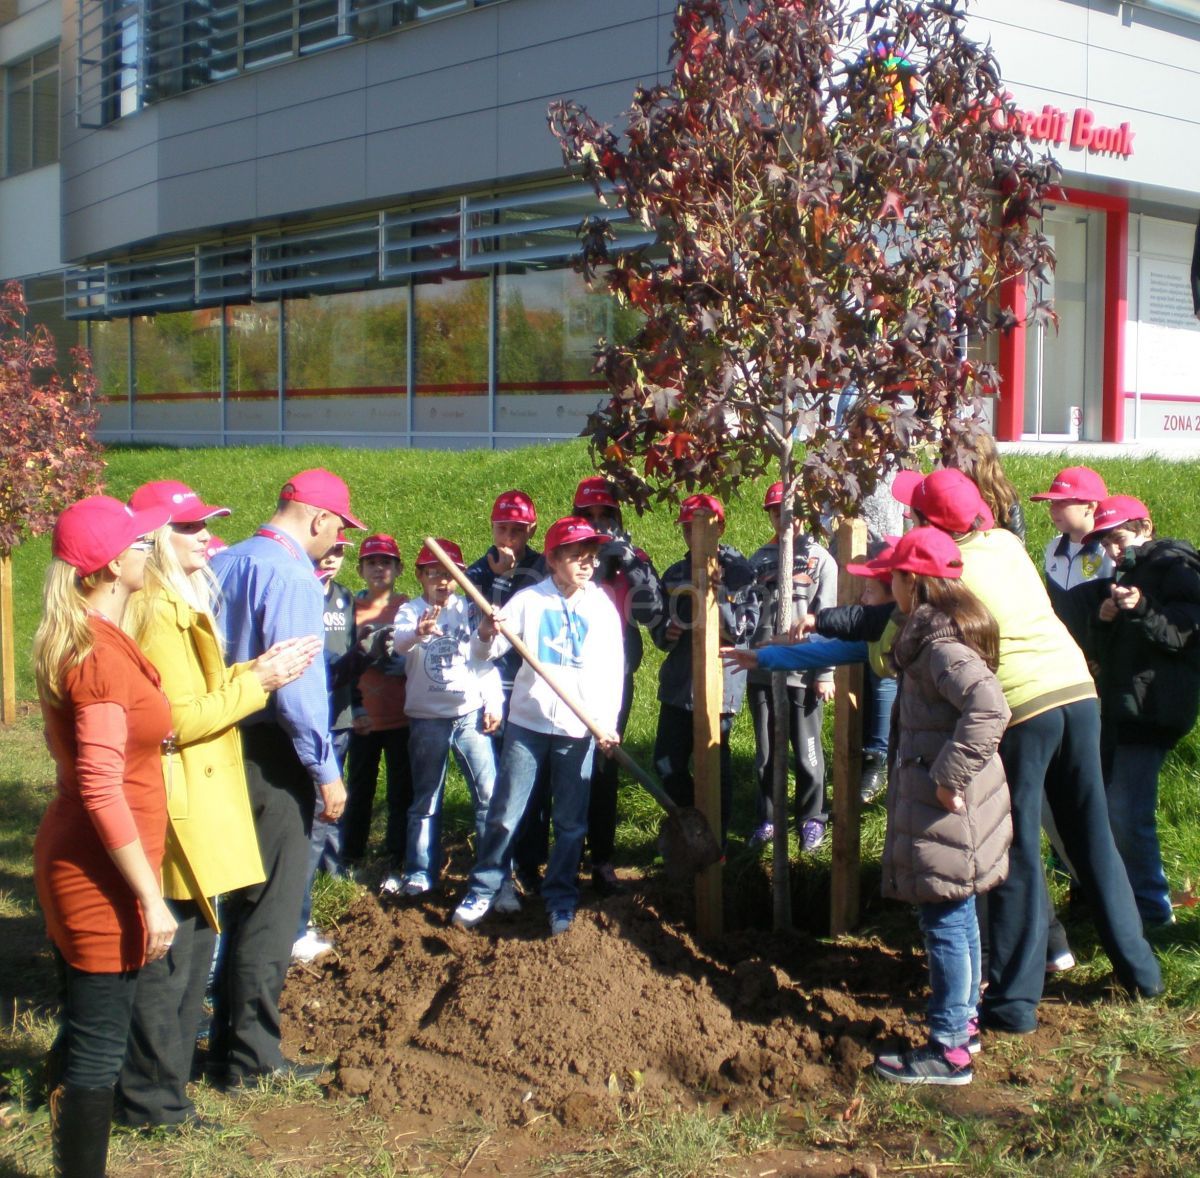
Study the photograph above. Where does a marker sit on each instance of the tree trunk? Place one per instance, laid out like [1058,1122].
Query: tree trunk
[8,672]
[781,881]
[706,714]
[844,884]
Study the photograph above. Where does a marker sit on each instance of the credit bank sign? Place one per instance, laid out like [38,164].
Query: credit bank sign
[1079,130]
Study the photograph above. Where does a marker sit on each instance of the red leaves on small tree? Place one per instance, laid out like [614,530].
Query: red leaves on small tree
[838,194]
[49,456]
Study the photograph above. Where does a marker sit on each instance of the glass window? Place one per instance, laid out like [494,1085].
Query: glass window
[253,369]
[347,363]
[177,359]
[31,112]
[109,344]
[44,300]
[450,325]
[548,325]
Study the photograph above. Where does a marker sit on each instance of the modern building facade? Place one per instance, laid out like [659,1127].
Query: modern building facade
[346,220]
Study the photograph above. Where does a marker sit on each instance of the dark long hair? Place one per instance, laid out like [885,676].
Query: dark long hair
[973,620]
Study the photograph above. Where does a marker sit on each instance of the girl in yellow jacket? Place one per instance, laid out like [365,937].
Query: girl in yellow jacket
[211,845]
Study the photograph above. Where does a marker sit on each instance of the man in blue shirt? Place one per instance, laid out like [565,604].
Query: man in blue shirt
[270,591]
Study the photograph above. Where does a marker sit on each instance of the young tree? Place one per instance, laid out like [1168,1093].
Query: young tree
[48,454]
[839,196]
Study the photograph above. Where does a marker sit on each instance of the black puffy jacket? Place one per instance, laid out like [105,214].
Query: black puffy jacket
[1148,658]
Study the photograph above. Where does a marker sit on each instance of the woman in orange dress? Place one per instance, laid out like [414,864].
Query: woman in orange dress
[99,847]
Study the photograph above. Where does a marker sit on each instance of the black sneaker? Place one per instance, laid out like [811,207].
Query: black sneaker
[931,1064]
[873,780]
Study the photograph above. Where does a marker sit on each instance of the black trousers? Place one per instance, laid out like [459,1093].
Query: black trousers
[804,727]
[362,779]
[673,744]
[259,922]
[152,1089]
[96,1012]
[602,803]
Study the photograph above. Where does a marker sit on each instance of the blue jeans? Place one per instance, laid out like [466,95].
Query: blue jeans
[570,762]
[879,697]
[952,947]
[1131,781]
[430,742]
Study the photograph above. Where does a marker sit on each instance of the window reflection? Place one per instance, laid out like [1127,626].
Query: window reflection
[253,368]
[347,362]
[177,357]
[450,320]
[548,326]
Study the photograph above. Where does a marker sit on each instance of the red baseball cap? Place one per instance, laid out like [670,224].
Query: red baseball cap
[380,544]
[1075,483]
[928,551]
[215,544]
[342,541]
[571,530]
[877,567]
[185,506]
[947,498]
[322,489]
[98,529]
[426,557]
[514,507]
[1114,511]
[694,504]
[774,496]
[595,492]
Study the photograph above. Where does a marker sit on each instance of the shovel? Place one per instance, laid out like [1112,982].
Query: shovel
[685,839]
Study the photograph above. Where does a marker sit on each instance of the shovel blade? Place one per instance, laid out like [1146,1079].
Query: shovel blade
[687,843]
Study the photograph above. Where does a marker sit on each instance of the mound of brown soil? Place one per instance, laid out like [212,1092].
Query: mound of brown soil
[506,1022]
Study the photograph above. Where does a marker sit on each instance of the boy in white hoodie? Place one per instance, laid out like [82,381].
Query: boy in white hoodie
[574,629]
[453,703]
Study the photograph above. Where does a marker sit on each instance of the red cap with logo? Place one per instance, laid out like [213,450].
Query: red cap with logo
[426,557]
[380,544]
[927,551]
[215,544]
[1115,511]
[947,498]
[595,492]
[774,496]
[98,529]
[185,506]
[877,568]
[514,507]
[322,489]
[343,541]
[1075,484]
[571,530]
[694,504]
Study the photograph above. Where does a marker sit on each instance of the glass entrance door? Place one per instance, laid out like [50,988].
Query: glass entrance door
[1063,366]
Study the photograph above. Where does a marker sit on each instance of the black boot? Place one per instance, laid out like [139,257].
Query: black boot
[80,1120]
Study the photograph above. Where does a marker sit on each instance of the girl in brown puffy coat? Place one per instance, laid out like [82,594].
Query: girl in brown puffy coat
[948,829]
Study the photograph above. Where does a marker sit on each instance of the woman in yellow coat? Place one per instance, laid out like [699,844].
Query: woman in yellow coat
[211,845]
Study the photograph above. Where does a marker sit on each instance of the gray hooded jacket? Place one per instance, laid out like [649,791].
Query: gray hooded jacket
[946,727]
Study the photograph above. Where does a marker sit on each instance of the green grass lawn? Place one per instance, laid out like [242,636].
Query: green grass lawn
[414,493]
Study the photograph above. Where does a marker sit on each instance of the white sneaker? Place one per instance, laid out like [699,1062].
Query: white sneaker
[391,886]
[309,946]
[1060,964]
[508,903]
[471,911]
[560,922]
[416,885]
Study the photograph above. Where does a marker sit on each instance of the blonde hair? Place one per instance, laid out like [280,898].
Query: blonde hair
[64,637]
[164,573]
[988,475]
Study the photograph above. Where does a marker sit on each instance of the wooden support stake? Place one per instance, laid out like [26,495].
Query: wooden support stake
[706,713]
[8,670]
[847,751]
